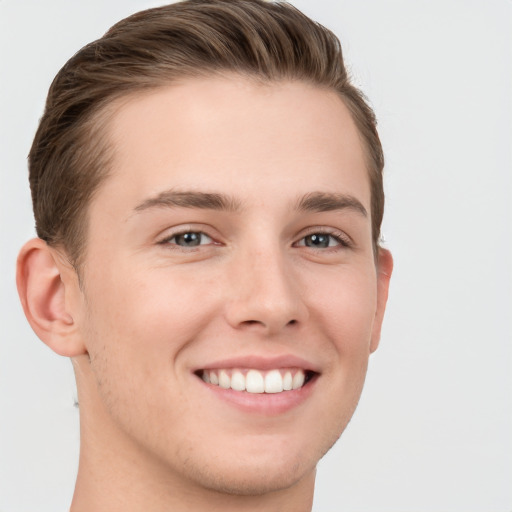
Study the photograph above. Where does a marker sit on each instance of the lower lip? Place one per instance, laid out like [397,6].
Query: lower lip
[269,404]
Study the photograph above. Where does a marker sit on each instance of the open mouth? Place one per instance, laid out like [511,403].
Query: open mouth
[257,381]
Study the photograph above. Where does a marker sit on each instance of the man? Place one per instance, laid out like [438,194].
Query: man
[207,187]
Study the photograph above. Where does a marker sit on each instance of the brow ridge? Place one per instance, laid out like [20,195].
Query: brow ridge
[329,201]
[311,202]
[190,199]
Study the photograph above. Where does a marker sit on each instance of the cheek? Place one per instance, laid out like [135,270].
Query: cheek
[148,305]
[135,330]
[345,310]
[140,320]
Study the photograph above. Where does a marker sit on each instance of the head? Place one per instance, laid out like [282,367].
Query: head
[207,188]
[263,41]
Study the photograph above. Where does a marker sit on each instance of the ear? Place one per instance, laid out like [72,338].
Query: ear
[45,283]
[384,271]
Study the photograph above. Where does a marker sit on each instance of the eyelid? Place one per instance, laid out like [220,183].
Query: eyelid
[344,239]
[201,233]
[171,233]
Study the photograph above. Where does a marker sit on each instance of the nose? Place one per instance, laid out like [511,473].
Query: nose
[265,296]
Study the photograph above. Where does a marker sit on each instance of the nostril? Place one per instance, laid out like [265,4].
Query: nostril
[252,322]
[258,322]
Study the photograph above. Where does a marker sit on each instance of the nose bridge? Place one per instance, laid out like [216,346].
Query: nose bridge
[264,294]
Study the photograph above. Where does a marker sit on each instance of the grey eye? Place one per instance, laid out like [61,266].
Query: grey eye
[190,239]
[320,241]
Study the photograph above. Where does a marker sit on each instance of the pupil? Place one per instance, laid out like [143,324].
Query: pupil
[317,240]
[189,239]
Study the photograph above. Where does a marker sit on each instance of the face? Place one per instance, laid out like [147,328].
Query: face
[230,294]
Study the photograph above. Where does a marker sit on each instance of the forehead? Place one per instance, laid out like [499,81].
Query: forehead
[237,136]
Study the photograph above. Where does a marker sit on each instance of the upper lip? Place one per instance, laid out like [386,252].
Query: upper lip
[259,362]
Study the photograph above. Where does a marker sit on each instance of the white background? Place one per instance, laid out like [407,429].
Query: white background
[433,429]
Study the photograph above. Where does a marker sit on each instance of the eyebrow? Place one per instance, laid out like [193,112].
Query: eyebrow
[192,199]
[327,201]
[311,202]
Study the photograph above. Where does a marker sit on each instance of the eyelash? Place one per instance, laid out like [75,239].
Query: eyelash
[167,240]
[341,239]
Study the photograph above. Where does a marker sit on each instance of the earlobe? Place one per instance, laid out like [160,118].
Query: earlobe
[42,292]
[384,271]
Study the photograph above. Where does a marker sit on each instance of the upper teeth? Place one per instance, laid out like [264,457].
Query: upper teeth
[256,381]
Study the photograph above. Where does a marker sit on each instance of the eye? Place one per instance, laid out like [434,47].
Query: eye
[323,241]
[188,239]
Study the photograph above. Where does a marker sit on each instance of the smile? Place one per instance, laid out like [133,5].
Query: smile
[257,381]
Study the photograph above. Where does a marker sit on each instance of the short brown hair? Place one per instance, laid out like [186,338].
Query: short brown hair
[267,41]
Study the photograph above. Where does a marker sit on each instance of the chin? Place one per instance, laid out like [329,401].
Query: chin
[268,467]
[252,480]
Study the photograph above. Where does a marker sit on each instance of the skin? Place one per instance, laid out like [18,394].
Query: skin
[150,312]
